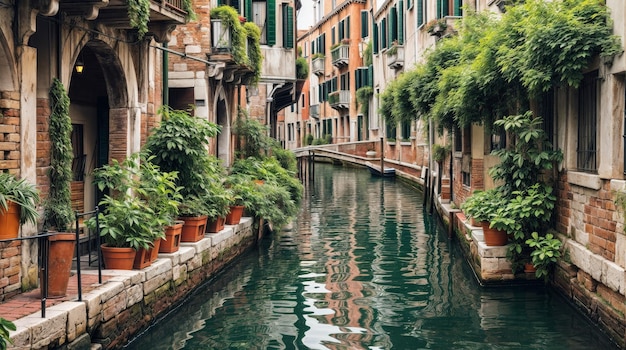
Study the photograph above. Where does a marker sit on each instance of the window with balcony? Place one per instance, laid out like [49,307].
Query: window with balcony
[421,12]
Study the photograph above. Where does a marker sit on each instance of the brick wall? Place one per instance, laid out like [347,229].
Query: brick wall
[10,253]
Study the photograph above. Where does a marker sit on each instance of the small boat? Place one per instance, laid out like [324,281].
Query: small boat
[375,170]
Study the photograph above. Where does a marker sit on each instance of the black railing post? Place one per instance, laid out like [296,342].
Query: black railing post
[78,274]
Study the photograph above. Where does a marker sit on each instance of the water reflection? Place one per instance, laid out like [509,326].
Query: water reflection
[364,268]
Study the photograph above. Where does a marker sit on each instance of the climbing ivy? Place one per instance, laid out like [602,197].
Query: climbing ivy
[139,15]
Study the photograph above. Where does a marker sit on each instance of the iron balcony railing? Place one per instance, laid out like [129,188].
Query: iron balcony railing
[340,55]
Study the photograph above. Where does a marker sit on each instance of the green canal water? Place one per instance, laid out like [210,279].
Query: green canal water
[364,267]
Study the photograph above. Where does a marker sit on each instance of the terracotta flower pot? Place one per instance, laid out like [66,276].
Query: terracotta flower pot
[215,225]
[193,229]
[10,221]
[62,247]
[171,242]
[233,218]
[118,258]
[493,237]
[529,268]
[145,257]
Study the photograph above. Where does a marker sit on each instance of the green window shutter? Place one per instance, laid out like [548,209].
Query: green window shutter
[420,12]
[409,4]
[332,36]
[370,75]
[364,22]
[333,85]
[445,11]
[393,25]
[375,37]
[347,29]
[340,30]
[248,9]
[439,9]
[457,8]
[323,44]
[357,78]
[288,27]
[400,22]
[271,22]
[383,33]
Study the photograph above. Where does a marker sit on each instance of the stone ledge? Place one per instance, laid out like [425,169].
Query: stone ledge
[592,181]
[600,269]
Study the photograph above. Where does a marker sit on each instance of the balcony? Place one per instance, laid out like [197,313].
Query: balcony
[164,15]
[339,100]
[236,65]
[340,55]
[318,65]
[314,111]
[395,57]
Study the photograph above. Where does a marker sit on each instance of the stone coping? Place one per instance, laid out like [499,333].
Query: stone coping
[71,320]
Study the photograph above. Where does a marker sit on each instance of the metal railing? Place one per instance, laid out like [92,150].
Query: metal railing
[44,254]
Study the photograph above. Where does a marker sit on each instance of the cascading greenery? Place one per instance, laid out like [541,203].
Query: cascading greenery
[494,66]
[139,14]
[58,207]
[256,56]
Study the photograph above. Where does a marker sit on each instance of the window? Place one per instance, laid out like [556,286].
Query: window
[364,24]
[392,20]
[78,163]
[588,105]
[332,36]
[288,32]
[344,28]
[259,16]
[449,8]
[383,33]
[405,132]
[361,76]
[421,13]
[345,81]
[390,131]
[498,140]
[546,110]
[466,178]
[458,139]
[375,35]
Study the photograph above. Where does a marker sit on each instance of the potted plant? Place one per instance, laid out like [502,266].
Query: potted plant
[58,212]
[5,327]
[546,251]
[436,26]
[18,205]
[484,207]
[180,144]
[241,187]
[140,204]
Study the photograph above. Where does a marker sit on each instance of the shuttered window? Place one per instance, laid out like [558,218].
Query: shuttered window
[400,22]
[420,12]
[375,37]
[271,22]
[393,25]
[288,33]
[383,33]
[248,9]
[332,36]
[364,24]
[345,81]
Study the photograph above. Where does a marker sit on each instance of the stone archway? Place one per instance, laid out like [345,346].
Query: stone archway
[100,115]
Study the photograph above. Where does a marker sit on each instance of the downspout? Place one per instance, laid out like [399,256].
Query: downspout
[165,74]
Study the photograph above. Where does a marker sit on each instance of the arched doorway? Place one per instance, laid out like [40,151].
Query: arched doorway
[99,112]
[223,138]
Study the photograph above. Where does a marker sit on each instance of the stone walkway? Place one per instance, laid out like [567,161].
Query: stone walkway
[29,303]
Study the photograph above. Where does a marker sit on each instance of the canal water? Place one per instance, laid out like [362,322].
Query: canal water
[364,267]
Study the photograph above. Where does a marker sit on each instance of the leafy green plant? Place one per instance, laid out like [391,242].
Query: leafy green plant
[302,68]
[529,155]
[252,134]
[435,26]
[21,192]
[254,50]
[58,206]
[363,95]
[393,49]
[230,18]
[367,53]
[482,205]
[180,144]
[308,139]
[317,55]
[441,152]
[142,201]
[139,15]
[546,252]
[5,327]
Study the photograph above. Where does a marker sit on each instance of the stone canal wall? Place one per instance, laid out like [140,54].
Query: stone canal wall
[128,301]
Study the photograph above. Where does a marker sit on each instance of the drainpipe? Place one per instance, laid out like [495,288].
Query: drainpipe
[165,74]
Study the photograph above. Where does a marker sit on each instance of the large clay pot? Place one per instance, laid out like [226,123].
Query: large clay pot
[493,237]
[215,225]
[145,257]
[62,250]
[10,221]
[171,242]
[193,229]
[234,216]
[118,258]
